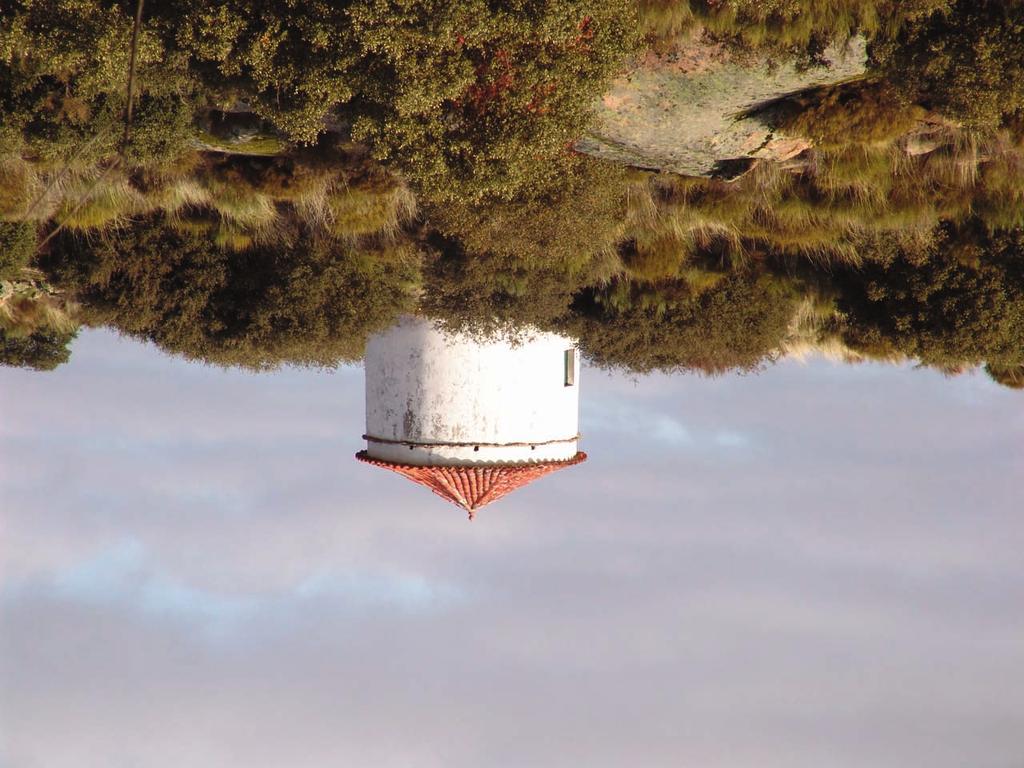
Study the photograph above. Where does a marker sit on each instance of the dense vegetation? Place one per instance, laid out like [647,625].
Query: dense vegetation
[299,174]
[467,99]
[801,27]
[312,302]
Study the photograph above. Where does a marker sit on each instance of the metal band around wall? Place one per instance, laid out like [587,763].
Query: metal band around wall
[420,444]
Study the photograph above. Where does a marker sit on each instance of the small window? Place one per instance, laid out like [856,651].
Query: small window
[570,367]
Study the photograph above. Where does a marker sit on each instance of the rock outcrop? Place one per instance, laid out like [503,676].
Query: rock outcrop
[696,110]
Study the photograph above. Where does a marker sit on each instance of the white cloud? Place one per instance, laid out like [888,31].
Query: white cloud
[806,568]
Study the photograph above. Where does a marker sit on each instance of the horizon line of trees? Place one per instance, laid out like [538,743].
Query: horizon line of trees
[442,180]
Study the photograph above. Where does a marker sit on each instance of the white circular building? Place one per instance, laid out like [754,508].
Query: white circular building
[471,419]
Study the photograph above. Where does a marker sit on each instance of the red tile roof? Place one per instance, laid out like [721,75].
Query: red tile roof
[472,487]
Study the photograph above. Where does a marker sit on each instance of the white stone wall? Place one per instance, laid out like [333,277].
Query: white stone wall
[425,386]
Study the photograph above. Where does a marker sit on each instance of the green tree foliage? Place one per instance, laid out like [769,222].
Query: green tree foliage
[959,304]
[17,245]
[863,112]
[568,223]
[469,98]
[308,303]
[291,62]
[63,77]
[1009,376]
[296,256]
[485,293]
[968,63]
[520,262]
[42,350]
[489,99]
[739,323]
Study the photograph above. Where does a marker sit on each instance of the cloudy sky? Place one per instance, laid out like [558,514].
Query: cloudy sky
[815,566]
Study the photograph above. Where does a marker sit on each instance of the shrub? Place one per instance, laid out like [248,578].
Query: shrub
[310,302]
[17,246]
[42,350]
[967,64]
[961,303]
[469,98]
[1008,376]
[738,323]
[862,112]
[567,223]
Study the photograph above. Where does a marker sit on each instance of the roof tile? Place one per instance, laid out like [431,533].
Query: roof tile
[472,487]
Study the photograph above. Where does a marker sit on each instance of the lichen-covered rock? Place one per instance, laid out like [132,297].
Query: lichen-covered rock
[691,110]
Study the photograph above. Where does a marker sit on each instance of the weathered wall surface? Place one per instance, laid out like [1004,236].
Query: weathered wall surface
[424,385]
[682,112]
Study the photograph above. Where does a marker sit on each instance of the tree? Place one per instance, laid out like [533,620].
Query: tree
[310,302]
[469,98]
[17,246]
[1008,376]
[567,223]
[739,323]
[960,304]
[42,350]
[967,63]
[488,292]
[482,100]
[63,74]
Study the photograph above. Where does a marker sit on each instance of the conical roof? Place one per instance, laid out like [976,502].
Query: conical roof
[474,486]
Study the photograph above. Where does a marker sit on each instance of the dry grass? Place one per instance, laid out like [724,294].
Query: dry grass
[819,208]
[92,204]
[375,210]
[813,332]
[179,195]
[256,200]
[777,24]
[29,305]
[232,238]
